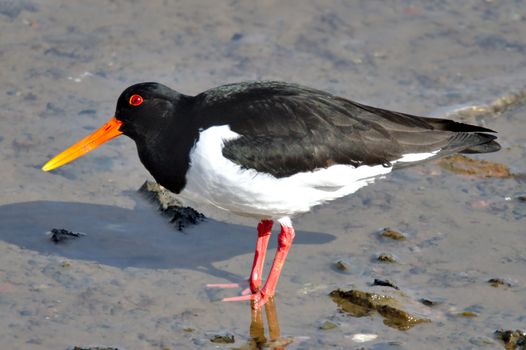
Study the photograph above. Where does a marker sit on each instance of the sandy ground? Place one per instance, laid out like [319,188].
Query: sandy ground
[134,282]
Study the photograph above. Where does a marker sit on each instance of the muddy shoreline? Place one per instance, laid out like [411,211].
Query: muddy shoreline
[134,281]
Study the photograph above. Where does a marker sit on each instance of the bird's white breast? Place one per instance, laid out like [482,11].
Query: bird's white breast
[216,180]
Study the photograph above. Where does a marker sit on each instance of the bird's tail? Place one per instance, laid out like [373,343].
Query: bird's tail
[470,138]
[487,144]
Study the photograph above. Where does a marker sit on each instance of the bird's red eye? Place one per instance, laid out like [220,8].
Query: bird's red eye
[136,100]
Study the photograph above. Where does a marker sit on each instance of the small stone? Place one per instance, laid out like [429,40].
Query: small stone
[342,265]
[362,338]
[326,325]
[467,314]
[430,303]
[386,258]
[25,313]
[497,282]
[222,338]
[58,235]
[30,97]
[385,283]
[88,112]
[236,37]
[392,234]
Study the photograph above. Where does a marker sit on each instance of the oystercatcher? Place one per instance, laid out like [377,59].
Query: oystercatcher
[271,150]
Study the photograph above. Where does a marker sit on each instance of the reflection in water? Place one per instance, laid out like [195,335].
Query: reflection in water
[257,329]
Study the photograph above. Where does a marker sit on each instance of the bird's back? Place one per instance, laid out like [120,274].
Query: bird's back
[287,128]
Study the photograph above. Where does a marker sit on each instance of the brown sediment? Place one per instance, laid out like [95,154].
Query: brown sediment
[460,164]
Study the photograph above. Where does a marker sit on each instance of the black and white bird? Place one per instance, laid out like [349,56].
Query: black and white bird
[271,150]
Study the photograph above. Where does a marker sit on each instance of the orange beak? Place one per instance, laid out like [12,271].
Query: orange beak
[107,132]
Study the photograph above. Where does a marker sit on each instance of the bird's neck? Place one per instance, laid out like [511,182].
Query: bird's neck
[170,166]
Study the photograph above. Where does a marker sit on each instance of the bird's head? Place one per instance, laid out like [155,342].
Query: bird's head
[143,110]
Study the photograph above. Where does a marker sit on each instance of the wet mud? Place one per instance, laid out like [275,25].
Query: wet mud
[135,282]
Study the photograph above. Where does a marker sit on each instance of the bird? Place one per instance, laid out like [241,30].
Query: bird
[271,150]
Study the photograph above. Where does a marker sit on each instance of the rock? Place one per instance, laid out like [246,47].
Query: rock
[512,339]
[158,194]
[359,303]
[58,235]
[170,206]
[398,318]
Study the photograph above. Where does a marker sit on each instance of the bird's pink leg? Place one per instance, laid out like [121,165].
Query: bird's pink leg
[264,230]
[285,238]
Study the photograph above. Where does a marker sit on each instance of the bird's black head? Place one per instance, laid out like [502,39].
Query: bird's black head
[146,109]
[143,112]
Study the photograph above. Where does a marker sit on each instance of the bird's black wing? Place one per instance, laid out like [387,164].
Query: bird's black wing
[288,128]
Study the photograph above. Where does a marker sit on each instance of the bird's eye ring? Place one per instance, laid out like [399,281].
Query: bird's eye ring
[136,100]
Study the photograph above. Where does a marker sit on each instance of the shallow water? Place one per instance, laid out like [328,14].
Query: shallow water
[134,282]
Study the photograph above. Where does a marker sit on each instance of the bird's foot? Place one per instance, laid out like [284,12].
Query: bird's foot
[259,299]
